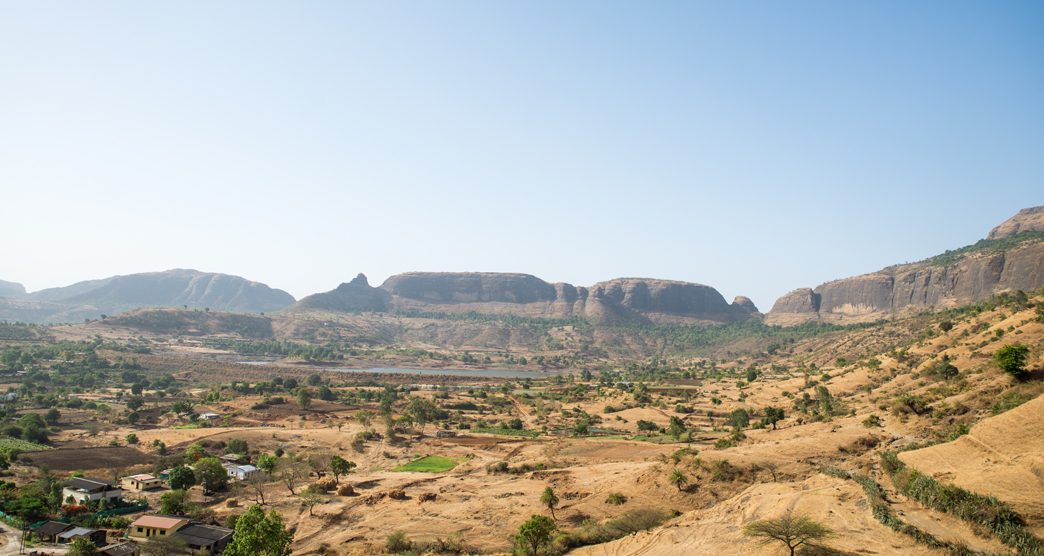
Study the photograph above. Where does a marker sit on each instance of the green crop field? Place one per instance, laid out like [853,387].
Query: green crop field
[504,431]
[429,464]
[9,445]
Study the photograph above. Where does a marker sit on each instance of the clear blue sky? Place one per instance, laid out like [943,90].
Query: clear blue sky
[752,146]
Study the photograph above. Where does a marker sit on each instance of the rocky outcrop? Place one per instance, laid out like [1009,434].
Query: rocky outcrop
[795,307]
[469,287]
[665,300]
[11,289]
[744,303]
[622,300]
[958,278]
[1027,220]
[354,296]
[172,288]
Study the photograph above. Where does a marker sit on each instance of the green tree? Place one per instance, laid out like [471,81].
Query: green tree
[773,415]
[549,499]
[211,474]
[195,452]
[174,502]
[534,535]
[236,446]
[181,478]
[266,463]
[1012,359]
[52,416]
[304,398]
[364,417]
[945,369]
[82,546]
[340,466]
[739,418]
[790,530]
[131,438]
[259,534]
[676,428]
[310,499]
[34,429]
[164,546]
[421,411]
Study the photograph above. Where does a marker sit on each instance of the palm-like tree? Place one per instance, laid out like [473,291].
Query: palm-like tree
[549,499]
[678,478]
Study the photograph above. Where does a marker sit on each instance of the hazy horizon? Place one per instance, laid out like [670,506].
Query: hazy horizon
[742,146]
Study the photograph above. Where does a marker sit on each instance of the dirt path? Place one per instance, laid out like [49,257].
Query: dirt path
[11,537]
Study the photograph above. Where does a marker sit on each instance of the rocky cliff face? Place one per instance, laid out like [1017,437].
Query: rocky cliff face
[469,287]
[172,288]
[619,300]
[1027,220]
[957,278]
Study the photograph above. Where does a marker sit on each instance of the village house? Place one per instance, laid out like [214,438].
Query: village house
[141,482]
[86,489]
[239,472]
[203,540]
[96,536]
[209,416]
[199,539]
[155,526]
[48,531]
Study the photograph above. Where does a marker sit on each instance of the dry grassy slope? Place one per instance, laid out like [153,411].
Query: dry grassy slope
[1002,456]
[719,530]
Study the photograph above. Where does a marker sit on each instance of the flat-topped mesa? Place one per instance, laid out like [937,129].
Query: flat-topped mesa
[470,287]
[1026,220]
[956,278]
[668,300]
[621,300]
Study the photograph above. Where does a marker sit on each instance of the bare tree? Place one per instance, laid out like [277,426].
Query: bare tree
[320,463]
[292,470]
[255,486]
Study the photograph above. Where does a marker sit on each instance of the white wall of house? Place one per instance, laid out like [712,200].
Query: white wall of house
[83,497]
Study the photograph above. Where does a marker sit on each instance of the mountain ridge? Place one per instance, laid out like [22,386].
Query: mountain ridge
[641,300]
[169,288]
[1010,258]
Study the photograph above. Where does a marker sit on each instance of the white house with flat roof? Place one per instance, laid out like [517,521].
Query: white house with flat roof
[86,489]
[239,472]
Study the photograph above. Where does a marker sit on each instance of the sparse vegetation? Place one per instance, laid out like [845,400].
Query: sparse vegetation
[791,530]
